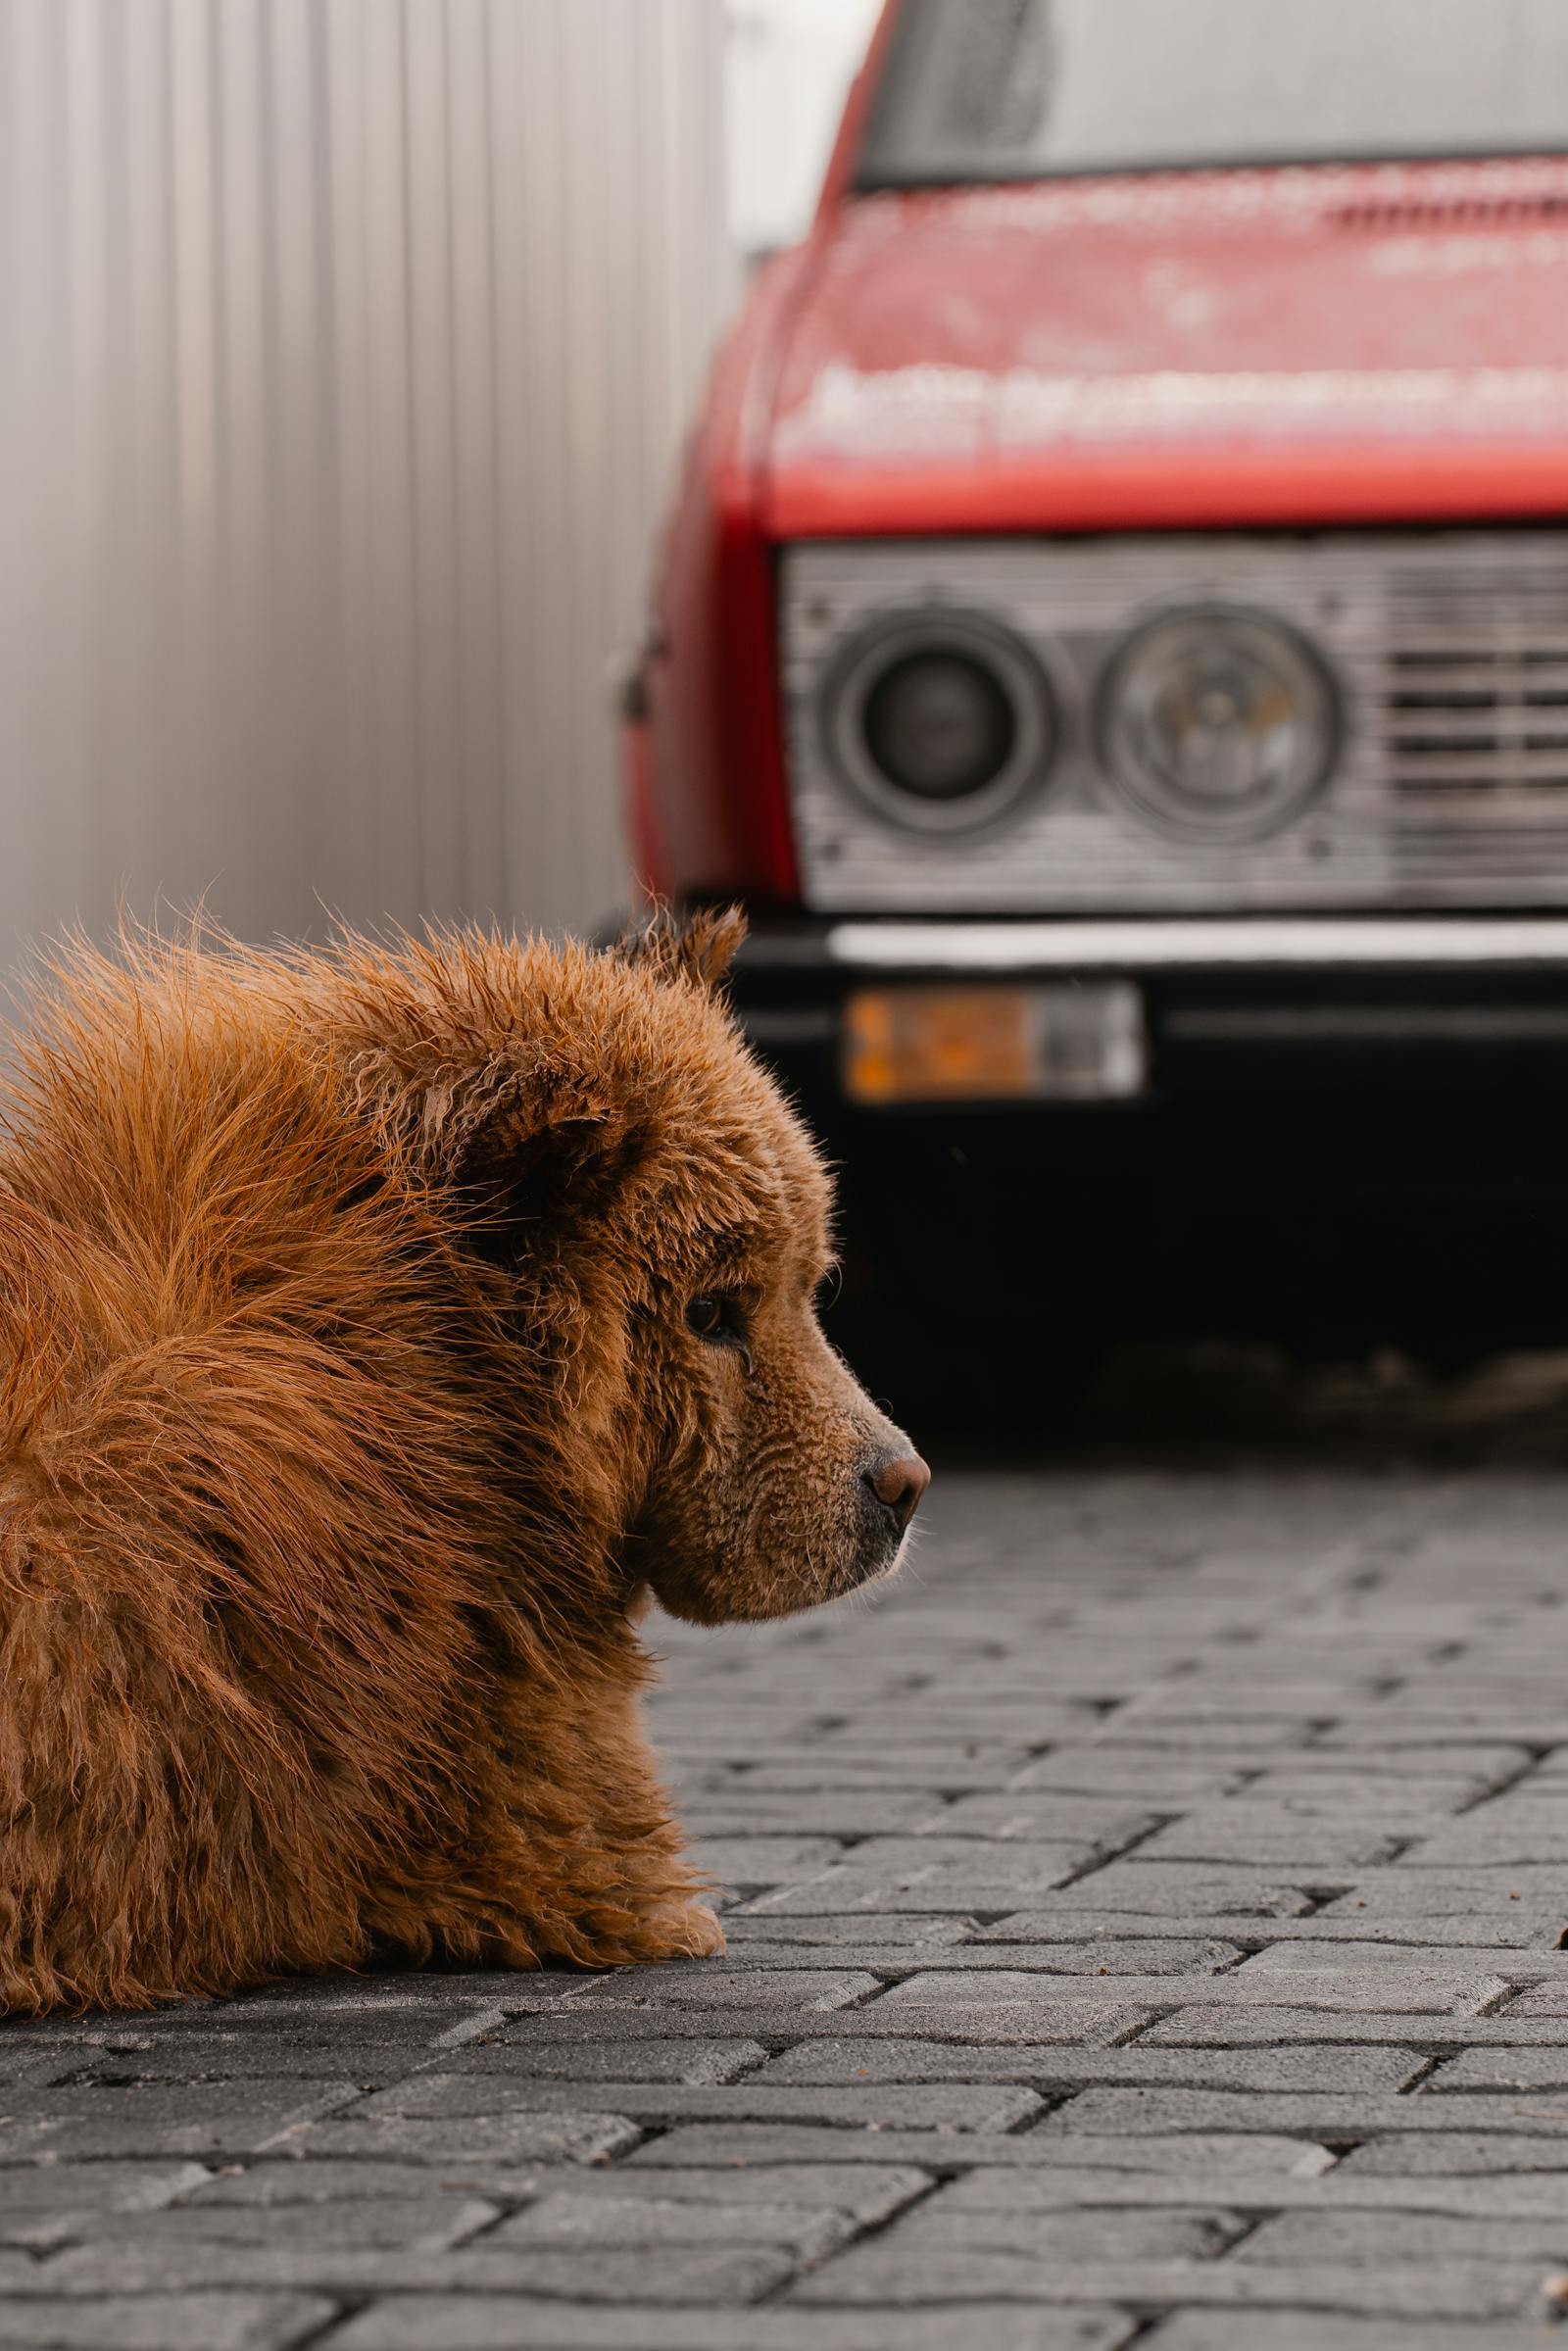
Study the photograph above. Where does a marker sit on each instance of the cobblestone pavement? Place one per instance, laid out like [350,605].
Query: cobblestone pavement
[1144,1928]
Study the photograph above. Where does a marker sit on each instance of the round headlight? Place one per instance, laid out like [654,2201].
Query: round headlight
[1218,724]
[942,721]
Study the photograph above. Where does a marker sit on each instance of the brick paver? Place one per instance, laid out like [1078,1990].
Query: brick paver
[1144,1928]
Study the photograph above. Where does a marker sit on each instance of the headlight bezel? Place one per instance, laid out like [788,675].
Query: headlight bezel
[1033,696]
[1158,803]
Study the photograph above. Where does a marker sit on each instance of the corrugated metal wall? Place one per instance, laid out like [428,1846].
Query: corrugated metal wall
[344,346]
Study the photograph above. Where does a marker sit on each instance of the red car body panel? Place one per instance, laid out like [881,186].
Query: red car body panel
[709,807]
[1308,345]
[1295,347]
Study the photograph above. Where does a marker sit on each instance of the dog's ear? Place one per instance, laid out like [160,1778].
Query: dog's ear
[487,1065]
[496,1119]
[697,948]
[435,1044]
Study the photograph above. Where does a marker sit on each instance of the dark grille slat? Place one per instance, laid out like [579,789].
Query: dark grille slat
[1433,729]
[1473,717]
[1507,766]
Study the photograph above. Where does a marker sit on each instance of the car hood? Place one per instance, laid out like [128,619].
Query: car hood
[1015,353]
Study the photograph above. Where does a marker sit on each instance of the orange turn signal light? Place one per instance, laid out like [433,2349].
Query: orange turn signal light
[948,1045]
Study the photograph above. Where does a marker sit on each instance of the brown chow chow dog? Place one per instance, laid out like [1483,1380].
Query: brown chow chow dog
[377,1328]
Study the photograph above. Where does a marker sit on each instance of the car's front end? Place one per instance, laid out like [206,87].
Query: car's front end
[1117,638]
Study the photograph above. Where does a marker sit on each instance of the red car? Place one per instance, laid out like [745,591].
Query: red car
[1113,633]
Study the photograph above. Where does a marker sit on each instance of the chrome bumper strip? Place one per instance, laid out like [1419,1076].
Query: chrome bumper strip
[1368,945]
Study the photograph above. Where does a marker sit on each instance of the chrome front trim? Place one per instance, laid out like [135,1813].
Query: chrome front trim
[1449,650]
[1019,947]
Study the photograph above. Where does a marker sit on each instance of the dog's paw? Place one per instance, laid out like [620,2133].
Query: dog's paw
[681,1931]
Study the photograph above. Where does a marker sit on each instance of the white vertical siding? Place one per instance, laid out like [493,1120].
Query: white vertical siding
[344,346]
[791,64]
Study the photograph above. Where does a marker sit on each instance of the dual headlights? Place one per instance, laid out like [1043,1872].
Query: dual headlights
[1216,723]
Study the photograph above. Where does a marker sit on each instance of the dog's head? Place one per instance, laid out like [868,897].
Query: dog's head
[665,1218]
[775,1482]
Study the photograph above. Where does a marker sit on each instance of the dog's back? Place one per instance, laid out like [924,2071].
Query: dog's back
[243,1505]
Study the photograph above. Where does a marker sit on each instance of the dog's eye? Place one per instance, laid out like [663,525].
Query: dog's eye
[721,1321]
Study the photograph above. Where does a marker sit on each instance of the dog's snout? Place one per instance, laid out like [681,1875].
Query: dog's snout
[897,1482]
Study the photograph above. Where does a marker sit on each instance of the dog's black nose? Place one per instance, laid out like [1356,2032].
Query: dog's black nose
[898,1482]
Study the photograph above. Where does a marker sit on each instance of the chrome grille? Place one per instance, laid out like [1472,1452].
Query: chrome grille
[1452,653]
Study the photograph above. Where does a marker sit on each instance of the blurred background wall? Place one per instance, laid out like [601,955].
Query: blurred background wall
[790,64]
[344,350]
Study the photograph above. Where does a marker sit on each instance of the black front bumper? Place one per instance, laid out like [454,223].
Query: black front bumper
[1356,1125]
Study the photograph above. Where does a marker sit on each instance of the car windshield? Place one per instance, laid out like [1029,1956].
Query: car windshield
[1025,89]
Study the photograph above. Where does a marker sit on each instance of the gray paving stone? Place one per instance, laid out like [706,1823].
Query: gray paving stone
[429,2224]
[738,1811]
[1336,2238]
[500,2323]
[1066,2009]
[97,2186]
[1373,2072]
[811,1989]
[1536,2196]
[1215,2027]
[1000,1877]
[33,2066]
[1128,1955]
[1397,2152]
[208,2058]
[762,1860]
[1101,1823]
[1328,1765]
[833,1931]
[447,2096]
[348,2181]
[1215,1745]
[1311,1781]
[1180,2153]
[164,2322]
[250,2036]
[678,2275]
[1499,2069]
[866,2193]
[442,2004]
[1323,2116]
[1110,1771]
[1407,1989]
[1302,1956]
[1510,1927]
[953,1770]
[1542,2001]
[161,2120]
[1184,1890]
[1167,2233]
[1395,1726]
[881,2275]
[906,1858]
[867,1950]
[522,2054]
[492,2139]
[1476,1893]
[1504,1835]
[1209,2330]
[1270,1838]
[592,2223]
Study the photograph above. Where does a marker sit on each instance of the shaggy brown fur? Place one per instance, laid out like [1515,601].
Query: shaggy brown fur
[375,1327]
